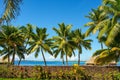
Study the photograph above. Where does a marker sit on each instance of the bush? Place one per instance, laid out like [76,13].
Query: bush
[40,73]
[5,72]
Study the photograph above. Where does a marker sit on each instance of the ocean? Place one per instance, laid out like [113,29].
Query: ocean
[49,63]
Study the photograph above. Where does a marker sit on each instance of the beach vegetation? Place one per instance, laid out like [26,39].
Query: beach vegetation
[11,43]
[105,21]
[80,40]
[62,44]
[39,43]
[11,10]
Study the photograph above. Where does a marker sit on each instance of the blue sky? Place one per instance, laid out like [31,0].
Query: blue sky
[49,13]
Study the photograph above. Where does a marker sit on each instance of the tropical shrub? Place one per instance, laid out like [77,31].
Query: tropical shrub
[5,72]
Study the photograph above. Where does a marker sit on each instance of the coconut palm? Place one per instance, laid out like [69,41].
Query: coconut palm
[27,32]
[96,16]
[39,43]
[80,42]
[62,44]
[112,9]
[10,38]
[105,56]
[98,20]
[112,53]
[110,26]
[12,8]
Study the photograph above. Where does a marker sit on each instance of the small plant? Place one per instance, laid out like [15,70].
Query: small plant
[41,74]
[38,72]
[116,76]
[5,72]
[79,73]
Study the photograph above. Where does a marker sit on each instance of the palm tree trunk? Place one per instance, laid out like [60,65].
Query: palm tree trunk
[8,59]
[8,56]
[63,61]
[19,61]
[43,57]
[101,45]
[24,51]
[66,60]
[13,58]
[78,58]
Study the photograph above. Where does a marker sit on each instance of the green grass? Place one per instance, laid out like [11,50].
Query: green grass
[23,79]
[16,79]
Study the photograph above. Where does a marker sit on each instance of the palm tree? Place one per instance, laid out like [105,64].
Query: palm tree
[112,9]
[12,8]
[62,44]
[10,38]
[112,53]
[98,20]
[39,43]
[107,21]
[80,42]
[21,52]
[27,32]
[105,56]
[96,16]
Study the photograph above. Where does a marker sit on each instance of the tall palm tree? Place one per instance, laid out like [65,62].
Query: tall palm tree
[27,32]
[109,30]
[98,19]
[10,38]
[12,8]
[62,44]
[112,9]
[109,26]
[39,43]
[80,42]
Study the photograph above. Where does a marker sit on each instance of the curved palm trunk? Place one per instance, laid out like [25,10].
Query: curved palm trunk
[24,51]
[78,58]
[43,57]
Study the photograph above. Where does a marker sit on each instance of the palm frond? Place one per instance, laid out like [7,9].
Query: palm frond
[12,8]
[98,52]
[112,34]
[37,52]
[89,31]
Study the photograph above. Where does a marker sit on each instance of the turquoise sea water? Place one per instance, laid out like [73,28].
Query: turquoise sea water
[49,63]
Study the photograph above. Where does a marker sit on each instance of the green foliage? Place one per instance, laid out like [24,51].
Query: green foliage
[74,73]
[40,73]
[61,43]
[117,76]
[105,20]
[12,8]
[5,72]
[39,43]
